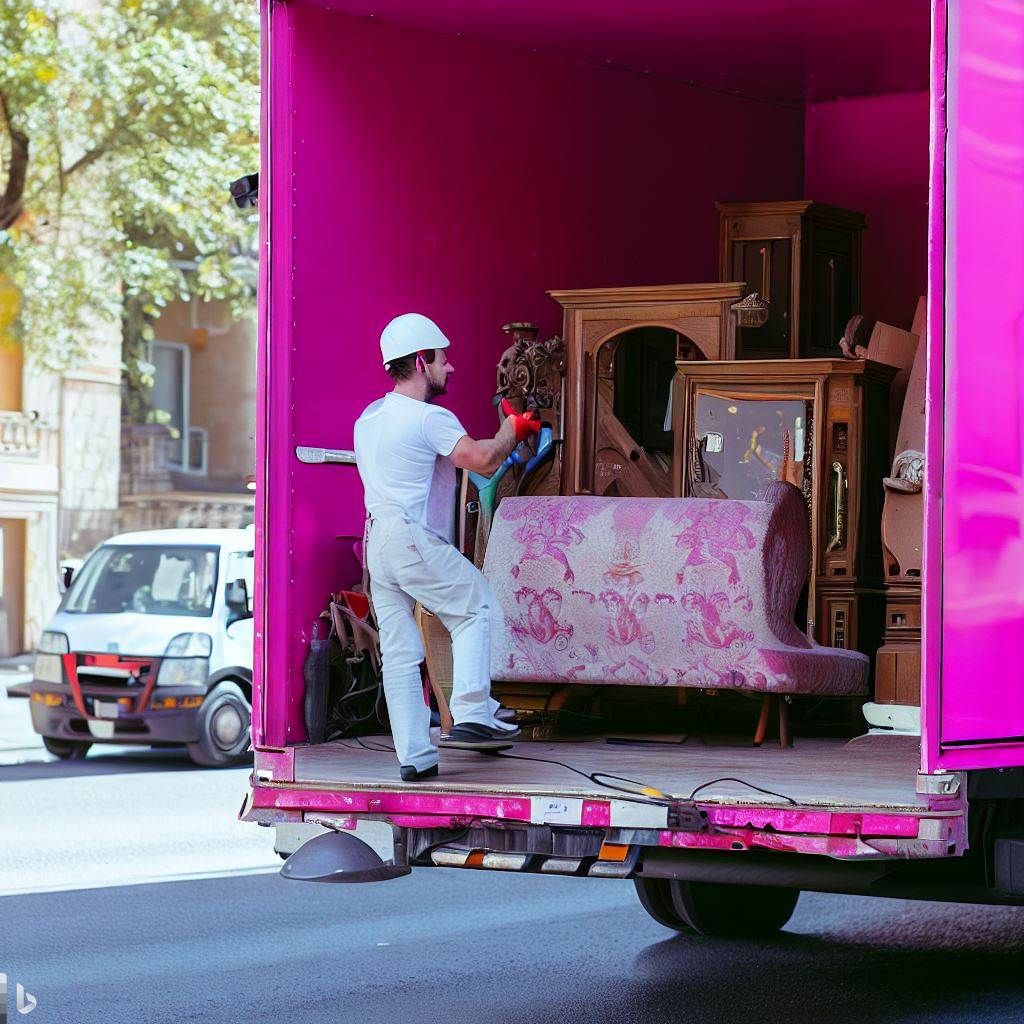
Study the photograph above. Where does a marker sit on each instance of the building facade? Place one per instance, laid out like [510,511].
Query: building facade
[197,468]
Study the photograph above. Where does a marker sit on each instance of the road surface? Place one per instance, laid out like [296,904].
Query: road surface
[135,895]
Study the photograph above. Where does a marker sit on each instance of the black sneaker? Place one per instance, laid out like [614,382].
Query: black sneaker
[471,736]
[410,773]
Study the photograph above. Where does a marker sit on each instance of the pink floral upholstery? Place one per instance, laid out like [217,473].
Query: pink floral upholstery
[659,592]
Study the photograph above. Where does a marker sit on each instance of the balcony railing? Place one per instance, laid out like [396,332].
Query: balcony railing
[22,433]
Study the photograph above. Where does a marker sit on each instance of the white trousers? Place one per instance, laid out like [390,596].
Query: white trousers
[407,564]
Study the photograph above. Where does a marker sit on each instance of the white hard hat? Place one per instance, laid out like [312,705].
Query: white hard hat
[408,333]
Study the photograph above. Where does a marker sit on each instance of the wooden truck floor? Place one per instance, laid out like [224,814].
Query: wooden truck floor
[867,772]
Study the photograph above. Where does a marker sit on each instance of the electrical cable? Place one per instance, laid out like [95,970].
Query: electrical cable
[652,795]
[741,782]
[632,787]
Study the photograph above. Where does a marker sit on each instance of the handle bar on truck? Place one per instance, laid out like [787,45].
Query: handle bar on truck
[328,456]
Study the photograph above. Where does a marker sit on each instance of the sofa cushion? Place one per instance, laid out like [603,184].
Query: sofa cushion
[659,592]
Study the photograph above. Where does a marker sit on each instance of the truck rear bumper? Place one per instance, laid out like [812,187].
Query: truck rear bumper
[923,821]
[604,838]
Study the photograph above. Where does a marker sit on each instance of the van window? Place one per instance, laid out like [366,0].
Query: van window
[147,579]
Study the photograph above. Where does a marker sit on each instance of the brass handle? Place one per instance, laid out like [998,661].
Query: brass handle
[837,507]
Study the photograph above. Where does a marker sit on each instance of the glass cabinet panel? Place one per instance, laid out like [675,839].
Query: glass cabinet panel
[743,442]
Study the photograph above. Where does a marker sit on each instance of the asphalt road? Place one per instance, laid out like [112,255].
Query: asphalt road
[470,947]
[95,930]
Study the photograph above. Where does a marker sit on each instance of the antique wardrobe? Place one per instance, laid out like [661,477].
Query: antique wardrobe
[804,258]
[621,350]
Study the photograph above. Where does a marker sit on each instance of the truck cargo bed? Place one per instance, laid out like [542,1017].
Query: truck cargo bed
[867,772]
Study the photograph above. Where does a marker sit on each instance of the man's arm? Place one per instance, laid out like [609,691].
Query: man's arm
[486,455]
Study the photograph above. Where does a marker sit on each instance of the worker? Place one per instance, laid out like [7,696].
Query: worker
[407,450]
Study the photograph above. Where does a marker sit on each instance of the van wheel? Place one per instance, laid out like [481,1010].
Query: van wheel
[733,911]
[67,750]
[223,724]
[656,898]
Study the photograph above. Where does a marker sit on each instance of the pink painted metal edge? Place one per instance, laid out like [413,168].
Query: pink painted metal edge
[439,807]
[280,763]
[273,424]
[931,618]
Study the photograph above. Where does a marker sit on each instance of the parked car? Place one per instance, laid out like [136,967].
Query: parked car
[152,645]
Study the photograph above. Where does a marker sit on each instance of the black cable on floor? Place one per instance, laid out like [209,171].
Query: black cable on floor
[641,789]
[650,793]
[742,782]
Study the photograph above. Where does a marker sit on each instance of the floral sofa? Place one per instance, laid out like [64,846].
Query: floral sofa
[660,592]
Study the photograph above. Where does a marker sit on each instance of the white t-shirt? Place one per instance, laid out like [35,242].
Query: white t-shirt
[402,448]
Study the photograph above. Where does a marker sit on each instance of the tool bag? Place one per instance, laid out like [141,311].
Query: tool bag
[344,695]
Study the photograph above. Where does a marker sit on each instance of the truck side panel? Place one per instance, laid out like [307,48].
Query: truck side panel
[979,717]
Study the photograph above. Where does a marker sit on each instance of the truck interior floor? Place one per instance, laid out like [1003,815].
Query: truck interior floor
[868,772]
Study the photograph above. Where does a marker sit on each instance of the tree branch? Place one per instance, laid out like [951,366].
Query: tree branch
[17,171]
[92,155]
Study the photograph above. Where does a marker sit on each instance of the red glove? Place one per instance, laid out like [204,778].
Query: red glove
[525,424]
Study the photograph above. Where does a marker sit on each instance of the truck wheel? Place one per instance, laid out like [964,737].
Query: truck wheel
[223,724]
[656,898]
[67,750]
[733,911]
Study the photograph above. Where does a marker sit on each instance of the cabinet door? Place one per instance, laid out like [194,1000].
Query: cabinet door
[831,301]
[766,264]
[979,711]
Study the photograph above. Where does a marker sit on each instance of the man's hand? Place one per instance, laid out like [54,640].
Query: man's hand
[525,424]
[484,457]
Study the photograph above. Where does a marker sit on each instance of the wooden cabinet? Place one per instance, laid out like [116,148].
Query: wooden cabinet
[621,350]
[820,424]
[804,259]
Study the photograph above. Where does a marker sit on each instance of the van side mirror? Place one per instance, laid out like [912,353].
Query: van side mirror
[67,573]
[236,597]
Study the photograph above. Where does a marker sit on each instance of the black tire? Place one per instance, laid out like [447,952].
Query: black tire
[67,750]
[733,911]
[223,723]
[656,898]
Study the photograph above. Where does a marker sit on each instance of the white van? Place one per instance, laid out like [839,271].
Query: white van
[152,645]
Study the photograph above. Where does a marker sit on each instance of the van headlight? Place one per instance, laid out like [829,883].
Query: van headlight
[189,645]
[52,646]
[186,661]
[183,672]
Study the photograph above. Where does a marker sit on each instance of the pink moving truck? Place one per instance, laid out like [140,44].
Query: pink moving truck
[463,159]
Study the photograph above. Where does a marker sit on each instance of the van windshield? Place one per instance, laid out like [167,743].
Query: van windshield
[147,579]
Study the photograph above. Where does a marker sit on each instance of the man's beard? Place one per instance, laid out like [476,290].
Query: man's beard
[436,390]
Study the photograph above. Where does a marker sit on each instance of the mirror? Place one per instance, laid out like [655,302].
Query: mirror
[236,597]
[67,573]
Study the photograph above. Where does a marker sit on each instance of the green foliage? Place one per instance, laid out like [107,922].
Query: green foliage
[135,115]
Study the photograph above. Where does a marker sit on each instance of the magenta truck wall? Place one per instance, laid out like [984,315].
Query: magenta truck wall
[870,153]
[976,717]
[411,170]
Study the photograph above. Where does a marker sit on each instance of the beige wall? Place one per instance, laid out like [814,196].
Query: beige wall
[222,382]
[11,369]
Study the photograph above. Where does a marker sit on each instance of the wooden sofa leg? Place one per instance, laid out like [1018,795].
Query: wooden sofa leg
[785,737]
[762,721]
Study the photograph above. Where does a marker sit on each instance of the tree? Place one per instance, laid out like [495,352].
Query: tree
[121,124]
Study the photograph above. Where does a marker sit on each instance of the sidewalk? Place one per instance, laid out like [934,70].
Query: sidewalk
[18,742]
